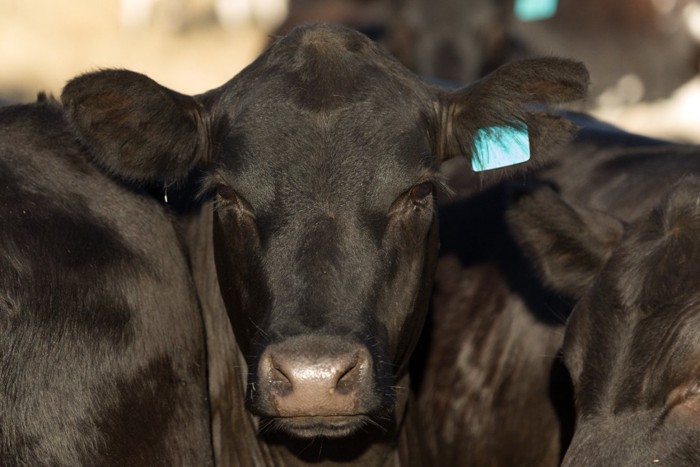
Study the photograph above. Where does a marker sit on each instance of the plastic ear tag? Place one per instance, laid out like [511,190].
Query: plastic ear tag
[535,10]
[500,146]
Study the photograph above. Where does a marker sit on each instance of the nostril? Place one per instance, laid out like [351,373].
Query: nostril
[314,381]
[279,379]
[348,375]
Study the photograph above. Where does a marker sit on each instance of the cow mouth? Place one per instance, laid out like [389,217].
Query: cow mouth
[310,427]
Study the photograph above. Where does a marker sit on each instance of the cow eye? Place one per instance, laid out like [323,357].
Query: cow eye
[228,197]
[225,192]
[421,192]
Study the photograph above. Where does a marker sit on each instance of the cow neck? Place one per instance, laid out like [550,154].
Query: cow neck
[234,431]
[234,439]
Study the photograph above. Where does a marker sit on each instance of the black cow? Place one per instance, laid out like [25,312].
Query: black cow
[497,329]
[314,240]
[102,357]
[631,341]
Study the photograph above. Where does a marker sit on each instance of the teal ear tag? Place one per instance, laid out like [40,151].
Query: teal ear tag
[500,146]
[535,10]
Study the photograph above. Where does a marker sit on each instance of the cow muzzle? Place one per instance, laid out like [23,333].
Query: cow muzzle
[316,387]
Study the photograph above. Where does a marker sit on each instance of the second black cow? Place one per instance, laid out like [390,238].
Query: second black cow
[613,238]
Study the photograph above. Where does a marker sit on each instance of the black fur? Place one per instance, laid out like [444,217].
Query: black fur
[321,228]
[632,343]
[101,355]
[463,40]
[496,327]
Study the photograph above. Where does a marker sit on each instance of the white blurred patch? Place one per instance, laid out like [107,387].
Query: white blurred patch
[691,15]
[664,6]
[234,13]
[675,118]
[135,14]
[267,14]
[629,90]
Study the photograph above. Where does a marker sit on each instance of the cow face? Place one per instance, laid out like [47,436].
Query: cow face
[633,342]
[321,158]
[326,241]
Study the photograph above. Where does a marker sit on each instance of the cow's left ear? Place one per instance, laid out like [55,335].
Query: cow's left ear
[568,244]
[495,121]
[135,127]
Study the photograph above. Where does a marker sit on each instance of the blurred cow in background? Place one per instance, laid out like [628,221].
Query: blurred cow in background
[635,49]
[631,341]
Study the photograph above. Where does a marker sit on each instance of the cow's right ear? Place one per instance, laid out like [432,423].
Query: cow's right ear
[136,128]
[568,244]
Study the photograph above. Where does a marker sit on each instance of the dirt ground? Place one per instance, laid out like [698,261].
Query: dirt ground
[43,43]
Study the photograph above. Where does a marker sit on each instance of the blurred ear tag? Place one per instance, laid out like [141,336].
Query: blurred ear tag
[500,146]
[535,10]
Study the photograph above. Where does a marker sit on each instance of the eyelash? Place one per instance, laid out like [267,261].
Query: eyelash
[227,197]
[421,192]
[225,192]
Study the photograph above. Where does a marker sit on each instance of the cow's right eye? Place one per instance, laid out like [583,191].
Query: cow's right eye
[230,199]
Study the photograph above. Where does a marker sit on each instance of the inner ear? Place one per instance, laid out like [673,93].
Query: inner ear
[502,120]
[136,128]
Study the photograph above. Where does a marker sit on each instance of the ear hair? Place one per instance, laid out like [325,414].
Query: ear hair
[568,244]
[136,128]
[511,97]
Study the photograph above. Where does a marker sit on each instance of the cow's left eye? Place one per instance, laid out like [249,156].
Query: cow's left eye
[225,192]
[421,193]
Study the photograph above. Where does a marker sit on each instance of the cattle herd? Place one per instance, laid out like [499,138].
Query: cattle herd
[306,266]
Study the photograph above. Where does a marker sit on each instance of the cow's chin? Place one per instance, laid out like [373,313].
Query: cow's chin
[301,427]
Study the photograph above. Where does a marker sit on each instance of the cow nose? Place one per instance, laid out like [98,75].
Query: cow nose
[308,384]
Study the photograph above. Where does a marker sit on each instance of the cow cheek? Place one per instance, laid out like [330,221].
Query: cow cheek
[238,267]
[404,302]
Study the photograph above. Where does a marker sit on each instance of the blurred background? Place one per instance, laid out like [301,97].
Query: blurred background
[179,43]
[644,55]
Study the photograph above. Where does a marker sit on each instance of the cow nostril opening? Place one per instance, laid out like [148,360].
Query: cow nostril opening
[279,381]
[313,377]
[349,377]
[279,375]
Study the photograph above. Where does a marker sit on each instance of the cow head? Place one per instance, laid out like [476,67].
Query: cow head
[631,343]
[322,161]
